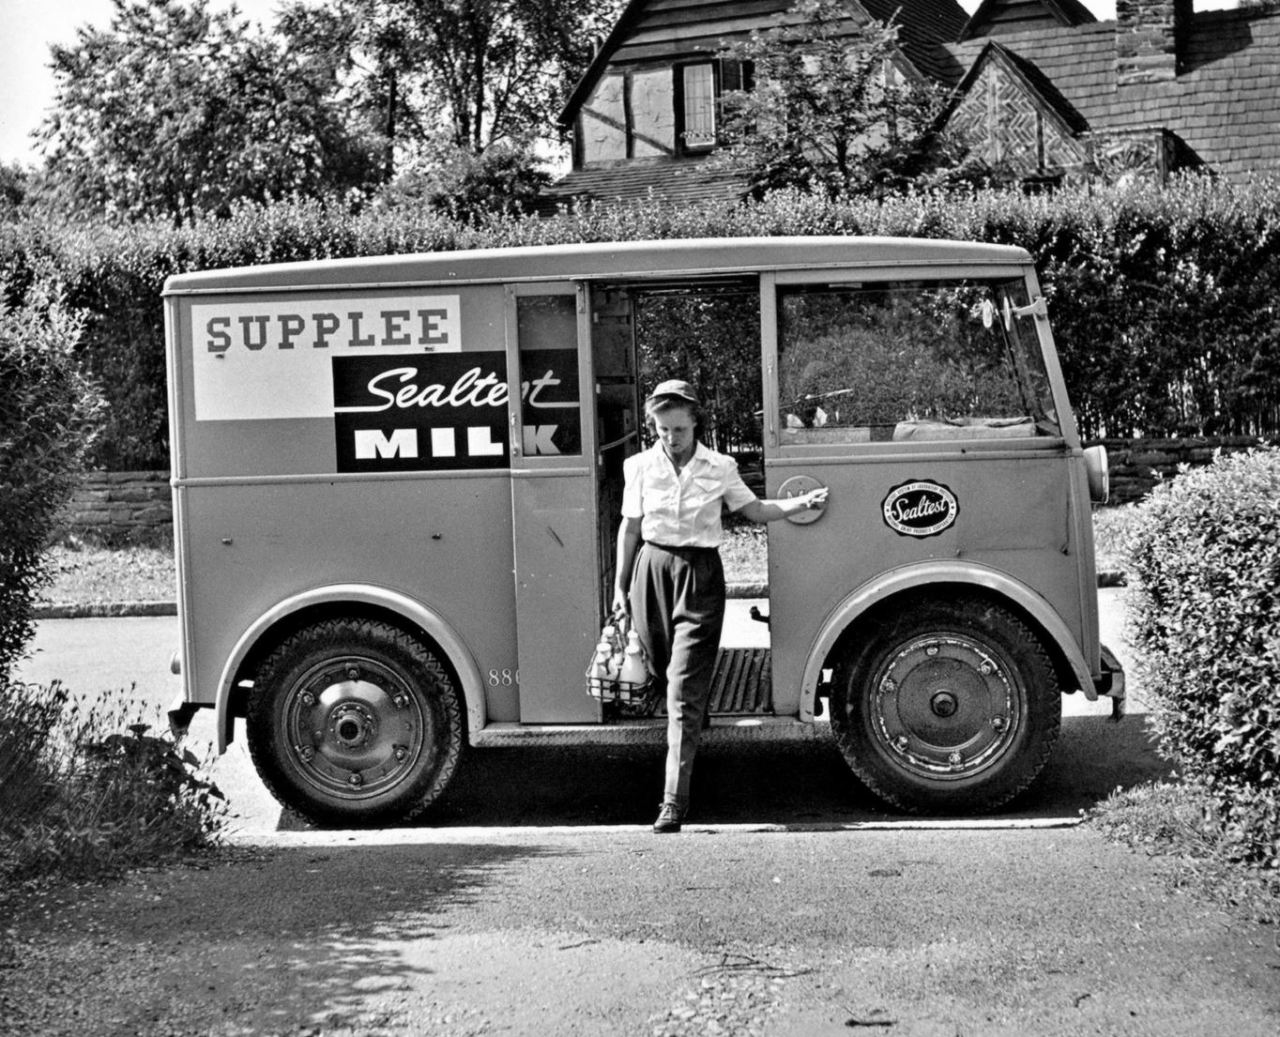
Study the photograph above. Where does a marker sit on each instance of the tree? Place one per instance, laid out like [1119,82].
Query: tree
[833,108]
[14,187]
[176,111]
[473,72]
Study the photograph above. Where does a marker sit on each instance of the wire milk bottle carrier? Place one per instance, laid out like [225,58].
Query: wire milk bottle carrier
[619,670]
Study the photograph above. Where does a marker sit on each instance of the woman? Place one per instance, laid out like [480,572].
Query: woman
[669,575]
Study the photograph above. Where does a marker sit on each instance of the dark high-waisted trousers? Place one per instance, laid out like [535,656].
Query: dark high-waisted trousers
[677,602]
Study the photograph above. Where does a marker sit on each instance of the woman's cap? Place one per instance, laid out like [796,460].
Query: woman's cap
[674,387]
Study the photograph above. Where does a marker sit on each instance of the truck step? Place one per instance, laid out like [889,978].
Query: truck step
[742,684]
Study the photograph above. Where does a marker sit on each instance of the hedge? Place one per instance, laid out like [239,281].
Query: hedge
[1204,608]
[45,429]
[1163,301]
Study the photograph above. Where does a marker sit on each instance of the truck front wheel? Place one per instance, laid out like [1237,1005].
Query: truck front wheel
[354,721]
[947,706]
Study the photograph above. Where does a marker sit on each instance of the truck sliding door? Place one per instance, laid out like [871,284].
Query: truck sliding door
[552,500]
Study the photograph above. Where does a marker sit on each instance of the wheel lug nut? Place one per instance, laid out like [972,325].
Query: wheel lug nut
[998,723]
[352,673]
[985,669]
[401,701]
[308,699]
[401,753]
[955,759]
[900,743]
[888,686]
[307,753]
[355,779]
[931,650]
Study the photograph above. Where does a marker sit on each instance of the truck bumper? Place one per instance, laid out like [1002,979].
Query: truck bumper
[1111,682]
[180,713]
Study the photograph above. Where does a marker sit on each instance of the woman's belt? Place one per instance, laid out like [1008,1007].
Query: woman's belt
[677,549]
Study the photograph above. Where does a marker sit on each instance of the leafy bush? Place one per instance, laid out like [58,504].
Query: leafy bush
[1204,555]
[46,425]
[84,790]
[505,178]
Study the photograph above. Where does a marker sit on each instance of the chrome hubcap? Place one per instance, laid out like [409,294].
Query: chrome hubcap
[946,706]
[355,727]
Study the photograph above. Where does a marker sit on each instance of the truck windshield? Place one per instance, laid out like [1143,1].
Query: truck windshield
[913,360]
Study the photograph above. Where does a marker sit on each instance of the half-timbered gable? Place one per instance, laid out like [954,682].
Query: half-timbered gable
[647,110]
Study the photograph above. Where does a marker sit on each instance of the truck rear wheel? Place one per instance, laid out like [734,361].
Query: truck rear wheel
[355,721]
[947,706]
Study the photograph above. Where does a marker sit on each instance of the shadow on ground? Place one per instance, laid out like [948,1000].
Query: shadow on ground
[276,941]
[789,784]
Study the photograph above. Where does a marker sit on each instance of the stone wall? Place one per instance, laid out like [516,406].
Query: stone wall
[116,507]
[1138,464]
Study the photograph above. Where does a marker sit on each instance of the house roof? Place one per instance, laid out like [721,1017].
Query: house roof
[686,182]
[1222,105]
[996,17]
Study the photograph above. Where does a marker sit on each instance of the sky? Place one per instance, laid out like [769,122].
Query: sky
[28,27]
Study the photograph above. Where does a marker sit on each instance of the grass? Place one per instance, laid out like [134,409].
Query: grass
[1178,822]
[1109,525]
[84,574]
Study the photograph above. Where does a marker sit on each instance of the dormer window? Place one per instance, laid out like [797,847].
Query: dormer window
[698,89]
[700,85]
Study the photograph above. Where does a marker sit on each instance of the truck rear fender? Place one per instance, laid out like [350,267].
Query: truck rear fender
[945,576]
[266,631]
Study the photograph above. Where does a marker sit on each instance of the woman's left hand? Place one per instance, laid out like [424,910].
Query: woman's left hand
[815,498]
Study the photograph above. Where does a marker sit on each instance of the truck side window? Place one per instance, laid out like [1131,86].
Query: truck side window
[547,327]
[910,361]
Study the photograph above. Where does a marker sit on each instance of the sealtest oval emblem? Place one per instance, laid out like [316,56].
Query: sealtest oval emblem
[920,509]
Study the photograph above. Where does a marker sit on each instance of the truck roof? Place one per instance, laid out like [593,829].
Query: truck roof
[608,261]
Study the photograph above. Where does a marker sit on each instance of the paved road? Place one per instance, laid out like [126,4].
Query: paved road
[535,901]
[793,786]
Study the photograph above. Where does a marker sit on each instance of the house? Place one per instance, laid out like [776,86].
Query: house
[1046,90]
[1039,88]
[643,118]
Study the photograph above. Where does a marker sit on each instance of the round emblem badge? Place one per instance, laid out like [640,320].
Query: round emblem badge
[920,509]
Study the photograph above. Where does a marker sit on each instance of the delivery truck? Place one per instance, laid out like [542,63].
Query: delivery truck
[397,481]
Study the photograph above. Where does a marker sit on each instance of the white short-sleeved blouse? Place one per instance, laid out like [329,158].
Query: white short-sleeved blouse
[682,510]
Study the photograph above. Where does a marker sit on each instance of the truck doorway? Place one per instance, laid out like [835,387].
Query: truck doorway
[706,332]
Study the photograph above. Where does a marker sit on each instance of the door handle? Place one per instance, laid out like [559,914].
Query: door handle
[797,486]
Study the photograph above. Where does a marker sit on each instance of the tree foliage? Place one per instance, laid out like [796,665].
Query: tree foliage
[470,72]
[176,110]
[833,108]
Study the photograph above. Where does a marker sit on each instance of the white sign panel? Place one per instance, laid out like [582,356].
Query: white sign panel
[274,359]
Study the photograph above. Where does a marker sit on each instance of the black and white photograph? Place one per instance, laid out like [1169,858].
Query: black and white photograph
[666,518]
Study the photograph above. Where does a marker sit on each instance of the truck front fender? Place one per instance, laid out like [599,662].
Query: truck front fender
[411,610]
[934,573]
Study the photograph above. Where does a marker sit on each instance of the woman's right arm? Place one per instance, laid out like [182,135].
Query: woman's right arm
[628,543]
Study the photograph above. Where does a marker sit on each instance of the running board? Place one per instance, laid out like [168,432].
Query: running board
[649,731]
[742,682]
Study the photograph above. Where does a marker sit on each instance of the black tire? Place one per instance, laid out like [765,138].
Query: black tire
[947,706]
[354,721]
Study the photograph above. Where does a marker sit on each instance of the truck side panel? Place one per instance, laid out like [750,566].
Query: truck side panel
[355,435]
[443,542]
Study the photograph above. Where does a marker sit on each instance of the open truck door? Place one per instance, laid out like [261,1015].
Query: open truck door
[553,491]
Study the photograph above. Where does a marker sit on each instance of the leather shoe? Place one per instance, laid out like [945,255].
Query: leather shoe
[668,819]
